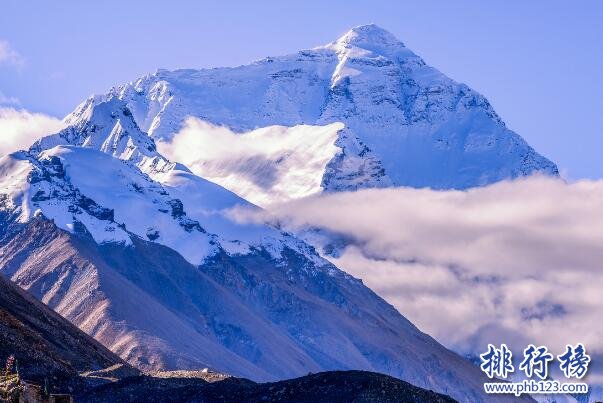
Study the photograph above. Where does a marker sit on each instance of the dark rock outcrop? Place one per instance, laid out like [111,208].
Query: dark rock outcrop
[336,386]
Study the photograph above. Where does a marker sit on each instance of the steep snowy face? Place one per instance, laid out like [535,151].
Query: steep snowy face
[108,126]
[85,189]
[107,158]
[405,123]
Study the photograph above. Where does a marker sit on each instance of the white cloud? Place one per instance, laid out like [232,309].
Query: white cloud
[20,128]
[9,56]
[265,165]
[513,262]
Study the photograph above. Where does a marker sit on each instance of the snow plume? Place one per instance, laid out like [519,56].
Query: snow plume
[515,262]
[20,128]
[264,166]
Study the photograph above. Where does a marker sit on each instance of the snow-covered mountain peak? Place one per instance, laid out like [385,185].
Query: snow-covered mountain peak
[99,118]
[369,37]
[405,123]
[108,125]
[172,282]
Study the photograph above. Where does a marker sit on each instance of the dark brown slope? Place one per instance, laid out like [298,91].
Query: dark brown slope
[334,386]
[46,345]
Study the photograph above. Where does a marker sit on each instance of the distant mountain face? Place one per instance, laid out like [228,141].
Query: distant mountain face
[404,123]
[49,348]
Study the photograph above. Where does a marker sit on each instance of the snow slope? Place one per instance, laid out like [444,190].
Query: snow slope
[144,192]
[405,123]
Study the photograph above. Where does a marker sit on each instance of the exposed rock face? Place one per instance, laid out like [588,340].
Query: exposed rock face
[50,349]
[45,345]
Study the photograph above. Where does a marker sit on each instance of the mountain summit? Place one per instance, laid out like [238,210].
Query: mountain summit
[401,122]
[371,37]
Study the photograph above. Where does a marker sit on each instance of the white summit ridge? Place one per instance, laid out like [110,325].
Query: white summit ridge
[403,122]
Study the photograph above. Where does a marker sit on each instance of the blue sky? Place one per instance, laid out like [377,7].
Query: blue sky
[538,62]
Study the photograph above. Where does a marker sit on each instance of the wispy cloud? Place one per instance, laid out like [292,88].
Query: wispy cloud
[9,56]
[513,262]
[264,165]
[20,128]
[6,100]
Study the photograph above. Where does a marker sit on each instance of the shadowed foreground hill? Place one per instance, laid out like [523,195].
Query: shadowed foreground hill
[336,386]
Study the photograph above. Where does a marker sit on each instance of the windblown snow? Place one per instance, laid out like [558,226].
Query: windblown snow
[263,166]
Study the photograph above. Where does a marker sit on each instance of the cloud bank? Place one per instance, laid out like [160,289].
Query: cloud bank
[20,128]
[515,262]
[264,166]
